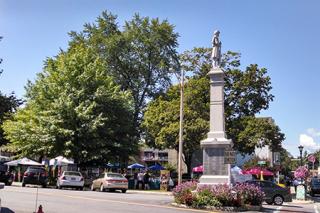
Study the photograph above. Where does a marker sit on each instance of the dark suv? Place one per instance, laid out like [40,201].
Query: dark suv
[314,186]
[35,176]
[5,175]
[274,194]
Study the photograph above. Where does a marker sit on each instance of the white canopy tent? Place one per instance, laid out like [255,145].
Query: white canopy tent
[60,161]
[23,161]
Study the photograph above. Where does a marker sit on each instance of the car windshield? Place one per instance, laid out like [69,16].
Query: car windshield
[112,175]
[72,173]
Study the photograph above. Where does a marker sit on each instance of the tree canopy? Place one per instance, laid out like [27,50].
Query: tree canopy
[140,57]
[75,109]
[247,92]
[8,105]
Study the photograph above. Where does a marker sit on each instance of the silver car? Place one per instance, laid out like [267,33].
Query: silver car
[70,179]
[110,182]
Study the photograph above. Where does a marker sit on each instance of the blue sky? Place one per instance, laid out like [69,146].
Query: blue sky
[282,36]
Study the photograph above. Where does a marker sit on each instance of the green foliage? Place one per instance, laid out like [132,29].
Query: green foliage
[205,198]
[253,162]
[75,109]
[8,105]
[247,92]
[140,57]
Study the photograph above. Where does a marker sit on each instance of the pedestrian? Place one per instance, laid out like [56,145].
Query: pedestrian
[135,178]
[140,180]
[171,184]
[146,179]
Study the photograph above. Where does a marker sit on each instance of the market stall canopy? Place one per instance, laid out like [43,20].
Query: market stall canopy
[198,169]
[236,170]
[23,161]
[156,167]
[60,160]
[136,166]
[258,171]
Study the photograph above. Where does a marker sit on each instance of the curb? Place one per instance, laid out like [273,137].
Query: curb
[149,192]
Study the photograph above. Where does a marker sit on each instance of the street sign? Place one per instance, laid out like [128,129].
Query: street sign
[312,158]
[229,156]
[261,162]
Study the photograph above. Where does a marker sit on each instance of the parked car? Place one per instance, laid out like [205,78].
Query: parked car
[110,182]
[5,175]
[70,179]
[36,176]
[1,187]
[314,186]
[274,194]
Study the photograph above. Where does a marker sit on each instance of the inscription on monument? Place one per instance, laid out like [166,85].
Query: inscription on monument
[214,161]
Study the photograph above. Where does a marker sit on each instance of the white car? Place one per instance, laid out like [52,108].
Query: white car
[110,182]
[70,179]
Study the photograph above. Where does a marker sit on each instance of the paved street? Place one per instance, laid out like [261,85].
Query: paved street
[22,200]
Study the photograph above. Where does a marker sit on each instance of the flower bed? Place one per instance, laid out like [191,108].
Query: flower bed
[219,197]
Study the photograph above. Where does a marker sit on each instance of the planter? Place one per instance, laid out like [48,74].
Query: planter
[223,208]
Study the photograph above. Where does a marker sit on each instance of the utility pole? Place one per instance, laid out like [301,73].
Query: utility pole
[181,128]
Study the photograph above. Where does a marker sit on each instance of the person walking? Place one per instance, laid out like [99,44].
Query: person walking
[140,180]
[146,180]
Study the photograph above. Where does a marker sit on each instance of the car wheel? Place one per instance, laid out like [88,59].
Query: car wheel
[9,183]
[44,186]
[81,188]
[23,184]
[101,188]
[278,200]
[311,194]
[123,190]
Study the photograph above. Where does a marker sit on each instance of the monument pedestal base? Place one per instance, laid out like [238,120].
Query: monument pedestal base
[215,169]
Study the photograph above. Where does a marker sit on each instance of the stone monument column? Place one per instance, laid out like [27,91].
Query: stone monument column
[216,143]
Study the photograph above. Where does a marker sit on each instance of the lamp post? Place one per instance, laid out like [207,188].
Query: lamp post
[181,128]
[300,149]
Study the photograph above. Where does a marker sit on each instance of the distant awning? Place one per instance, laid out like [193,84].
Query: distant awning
[136,166]
[60,160]
[23,161]
[156,167]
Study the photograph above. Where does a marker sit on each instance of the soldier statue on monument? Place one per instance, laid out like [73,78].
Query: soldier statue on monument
[216,50]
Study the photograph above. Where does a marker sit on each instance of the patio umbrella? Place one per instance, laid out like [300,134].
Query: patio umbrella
[198,169]
[136,166]
[258,171]
[156,167]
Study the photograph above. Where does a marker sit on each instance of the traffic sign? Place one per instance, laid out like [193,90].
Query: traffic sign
[312,158]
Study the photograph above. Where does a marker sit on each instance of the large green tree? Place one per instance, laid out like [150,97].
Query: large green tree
[75,109]
[247,92]
[8,105]
[140,56]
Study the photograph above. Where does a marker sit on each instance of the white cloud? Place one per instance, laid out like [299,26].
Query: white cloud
[308,142]
[313,132]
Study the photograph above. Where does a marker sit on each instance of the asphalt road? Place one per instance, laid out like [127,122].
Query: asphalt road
[22,200]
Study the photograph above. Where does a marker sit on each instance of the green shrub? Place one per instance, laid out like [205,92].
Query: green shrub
[205,198]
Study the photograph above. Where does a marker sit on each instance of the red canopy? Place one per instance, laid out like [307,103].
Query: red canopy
[257,171]
[198,169]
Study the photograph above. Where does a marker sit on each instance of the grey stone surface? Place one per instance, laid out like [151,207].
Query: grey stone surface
[214,146]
